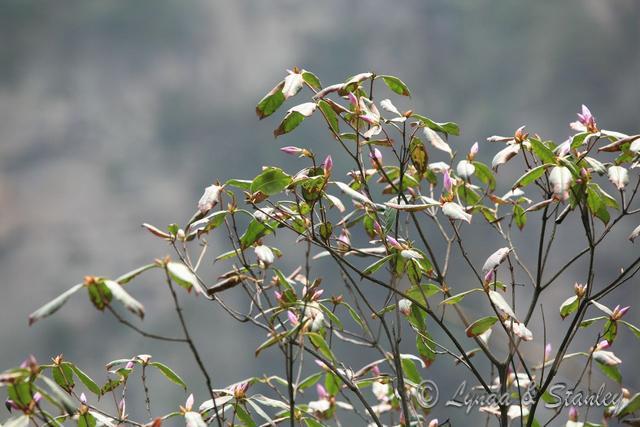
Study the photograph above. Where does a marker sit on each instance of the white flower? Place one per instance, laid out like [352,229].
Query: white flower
[619,176]
[465,169]
[560,179]
[455,211]
[504,155]
[495,259]
[264,254]
[606,358]
[210,198]
[435,140]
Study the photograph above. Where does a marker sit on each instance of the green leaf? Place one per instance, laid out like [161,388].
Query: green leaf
[330,115]
[256,230]
[485,175]
[632,328]
[396,85]
[243,184]
[531,176]
[588,322]
[86,420]
[99,294]
[354,315]
[271,181]
[569,306]
[376,265]
[480,326]
[274,339]
[86,380]
[310,381]
[543,152]
[311,79]
[633,405]
[54,305]
[183,276]
[410,370]
[425,350]
[60,395]
[311,422]
[271,102]
[169,373]
[318,341]
[458,297]
[127,277]
[449,128]
[294,117]
[597,203]
[611,371]
[123,296]
[520,216]
[419,293]
[332,383]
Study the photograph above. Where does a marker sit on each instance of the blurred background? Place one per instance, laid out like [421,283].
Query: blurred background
[117,113]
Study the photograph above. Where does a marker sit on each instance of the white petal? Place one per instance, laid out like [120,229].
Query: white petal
[495,259]
[560,179]
[501,304]
[435,140]
[387,105]
[439,167]
[504,155]
[264,254]
[465,169]
[292,85]
[305,109]
[455,211]
[619,176]
[635,233]
[209,198]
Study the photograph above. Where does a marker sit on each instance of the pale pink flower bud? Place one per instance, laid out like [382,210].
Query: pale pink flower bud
[317,294]
[394,243]
[377,228]
[129,365]
[37,397]
[352,99]
[278,295]
[473,151]
[294,151]
[328,165]
[344,240]
[573,414]
[188,404]
[489,277]
[376,158]
[434,423]
[293,319]
[404,305]
[547,351]
[448,183]
[618,312]
[322,392]
[375,370]
[83,398]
